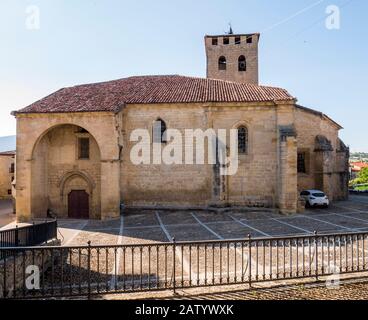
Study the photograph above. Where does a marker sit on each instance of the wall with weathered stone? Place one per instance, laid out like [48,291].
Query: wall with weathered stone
[266,176]
[6,176]
[56,171]
[232,52]
[33,143]
[175,185]
[325,169]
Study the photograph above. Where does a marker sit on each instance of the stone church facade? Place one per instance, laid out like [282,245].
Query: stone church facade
[74,146]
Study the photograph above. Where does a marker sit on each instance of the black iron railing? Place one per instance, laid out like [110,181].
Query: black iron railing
[88,270]
[27,236]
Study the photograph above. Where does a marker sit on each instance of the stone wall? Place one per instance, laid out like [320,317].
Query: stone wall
[6,176]
[326,169]
[37,185]
[266,176]
[188,185]
[232,52]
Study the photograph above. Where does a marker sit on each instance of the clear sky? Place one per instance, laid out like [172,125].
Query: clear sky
[96,40]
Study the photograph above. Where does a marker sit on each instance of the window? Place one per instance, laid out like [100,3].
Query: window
[249,39]
[83,146]
[242,64]
[237,40]
[9,192]
[214,41]
[242,140]
[222,63]
[301,163]
[11,170]
[305,193]
[159,131]
[226,40]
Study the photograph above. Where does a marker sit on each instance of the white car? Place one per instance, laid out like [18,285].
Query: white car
[315,198]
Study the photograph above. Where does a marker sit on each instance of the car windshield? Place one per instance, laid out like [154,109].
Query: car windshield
[319,195]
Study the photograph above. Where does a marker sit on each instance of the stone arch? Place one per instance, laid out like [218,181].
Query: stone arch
[69,175]
[56,163]
[49,129]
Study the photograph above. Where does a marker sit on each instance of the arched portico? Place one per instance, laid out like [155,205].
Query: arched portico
[38,188]
[66,159]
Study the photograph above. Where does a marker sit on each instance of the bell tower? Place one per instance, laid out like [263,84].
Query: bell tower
[233,57]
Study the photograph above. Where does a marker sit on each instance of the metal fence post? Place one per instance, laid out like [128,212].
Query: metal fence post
[250,260]
[16,236]
[33,234]
[89,270]
[316,252]
[174,267]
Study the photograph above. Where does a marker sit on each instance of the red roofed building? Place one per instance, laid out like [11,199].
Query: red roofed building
[356,167]
[75,146]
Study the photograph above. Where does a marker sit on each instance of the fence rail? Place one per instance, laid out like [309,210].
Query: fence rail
[88,270]
[32,235]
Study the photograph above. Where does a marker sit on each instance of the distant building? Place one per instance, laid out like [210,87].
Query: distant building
[7,174]
[356,167]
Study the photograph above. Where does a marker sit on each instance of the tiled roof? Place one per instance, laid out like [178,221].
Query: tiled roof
[7,153]
[112,95]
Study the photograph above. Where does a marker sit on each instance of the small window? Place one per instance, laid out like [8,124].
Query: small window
[159,131]
[12,168]
[9,192]
[83,148]
[226,40]
[222,63]
[242,140]
[242,64]
[249,39]
[237,40]
[214,41]
[301,163]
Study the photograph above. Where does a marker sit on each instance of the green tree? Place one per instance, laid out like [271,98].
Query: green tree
[362,177]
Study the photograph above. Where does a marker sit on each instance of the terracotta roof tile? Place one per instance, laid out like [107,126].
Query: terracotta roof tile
[112,95]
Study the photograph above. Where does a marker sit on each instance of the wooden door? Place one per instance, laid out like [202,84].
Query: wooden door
[78,204]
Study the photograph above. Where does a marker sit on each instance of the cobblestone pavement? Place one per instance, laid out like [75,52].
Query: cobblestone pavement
[151,226]
[348,291]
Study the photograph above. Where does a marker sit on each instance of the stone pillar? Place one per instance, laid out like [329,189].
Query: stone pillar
[110,189]
[287,171]
[23,187]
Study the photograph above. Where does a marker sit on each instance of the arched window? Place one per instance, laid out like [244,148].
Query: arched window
[159,131]
[222,63]
[242,140]
[242,64]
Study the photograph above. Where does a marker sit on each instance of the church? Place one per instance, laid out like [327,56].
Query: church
[74,146]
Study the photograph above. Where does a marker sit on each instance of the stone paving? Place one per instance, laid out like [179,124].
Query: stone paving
[162,226]
[349,291]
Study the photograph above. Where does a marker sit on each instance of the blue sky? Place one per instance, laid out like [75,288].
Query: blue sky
[95,40]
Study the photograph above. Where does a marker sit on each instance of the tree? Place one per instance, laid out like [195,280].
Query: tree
[362,177]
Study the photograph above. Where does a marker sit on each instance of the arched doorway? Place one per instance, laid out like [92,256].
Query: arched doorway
[78,204]
[66,174]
